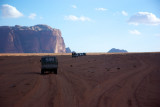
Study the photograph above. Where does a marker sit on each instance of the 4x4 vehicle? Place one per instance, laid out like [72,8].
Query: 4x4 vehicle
[74,54]
[49,63]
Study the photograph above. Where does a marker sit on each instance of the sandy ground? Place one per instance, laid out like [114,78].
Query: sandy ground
[104,80]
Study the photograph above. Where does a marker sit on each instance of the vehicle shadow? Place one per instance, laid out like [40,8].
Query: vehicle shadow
[32,73]
[36,73]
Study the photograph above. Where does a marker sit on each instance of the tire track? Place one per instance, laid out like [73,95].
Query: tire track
[87,83]
[43,90]
[98,93]
[29,94]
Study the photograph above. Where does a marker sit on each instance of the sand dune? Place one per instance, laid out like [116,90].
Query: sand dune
[95,80]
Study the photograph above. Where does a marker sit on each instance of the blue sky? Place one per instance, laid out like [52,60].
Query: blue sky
[91,25]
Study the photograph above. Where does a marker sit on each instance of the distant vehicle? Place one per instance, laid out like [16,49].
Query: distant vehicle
[49,63]
[84,54]
[79,54]
[74,54]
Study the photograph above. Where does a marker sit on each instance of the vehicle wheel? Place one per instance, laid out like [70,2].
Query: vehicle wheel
[42,71]
[55,71]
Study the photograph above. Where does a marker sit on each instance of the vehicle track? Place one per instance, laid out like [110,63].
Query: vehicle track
[126,83]
[90,81]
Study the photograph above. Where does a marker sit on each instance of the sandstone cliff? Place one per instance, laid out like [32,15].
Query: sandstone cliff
[68,50]
[33,39]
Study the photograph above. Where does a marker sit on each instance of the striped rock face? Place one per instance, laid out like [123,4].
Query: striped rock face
[33,39]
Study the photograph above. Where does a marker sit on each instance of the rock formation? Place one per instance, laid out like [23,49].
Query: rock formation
[114,50]
[33,39]
[68,50]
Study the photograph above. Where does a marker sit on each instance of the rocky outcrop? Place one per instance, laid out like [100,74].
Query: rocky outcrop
[68,50]
[114,50]
[33,39]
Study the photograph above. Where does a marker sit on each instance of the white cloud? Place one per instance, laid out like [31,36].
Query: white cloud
[124,13]
[134,32]
[75,18]
[9,11]
[101,9]
[41,17]
[158,35]
[74,6]
[144,18]
[32,16]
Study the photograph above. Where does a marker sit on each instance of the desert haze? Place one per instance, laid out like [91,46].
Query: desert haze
[95,80]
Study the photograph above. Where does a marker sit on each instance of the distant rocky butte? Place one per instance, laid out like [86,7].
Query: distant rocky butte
[68,50]
[33,39]
[114,50]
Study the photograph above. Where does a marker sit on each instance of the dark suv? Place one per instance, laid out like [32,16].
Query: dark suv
[49,63]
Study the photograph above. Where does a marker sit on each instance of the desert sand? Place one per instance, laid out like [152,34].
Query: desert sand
[95,80]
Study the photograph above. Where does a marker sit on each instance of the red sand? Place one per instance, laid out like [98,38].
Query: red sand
[108,80]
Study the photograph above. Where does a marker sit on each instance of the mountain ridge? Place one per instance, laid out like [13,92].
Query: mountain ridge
[114,50]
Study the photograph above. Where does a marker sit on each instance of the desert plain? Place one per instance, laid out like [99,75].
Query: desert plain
[95,80]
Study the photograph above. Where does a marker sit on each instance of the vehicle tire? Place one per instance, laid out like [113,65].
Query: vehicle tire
[42,71]
[55,71]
